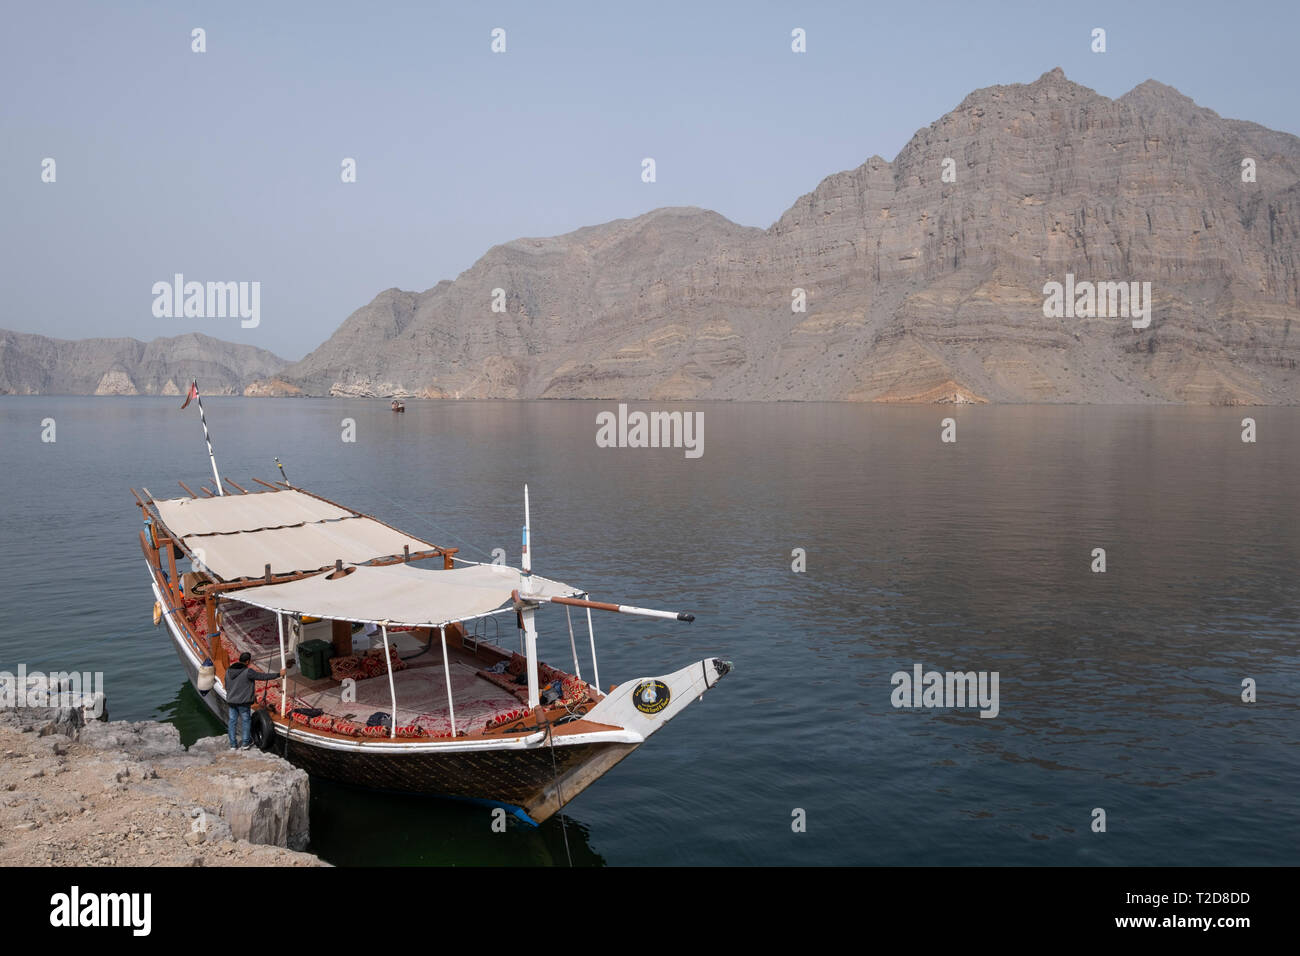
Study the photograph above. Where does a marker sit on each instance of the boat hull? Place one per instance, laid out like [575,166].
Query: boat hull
[537,781]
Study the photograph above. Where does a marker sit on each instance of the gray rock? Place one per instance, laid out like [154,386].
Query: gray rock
[53,744]
[269,807]
[143,740]
[213,746]
[45,721]
[257,797]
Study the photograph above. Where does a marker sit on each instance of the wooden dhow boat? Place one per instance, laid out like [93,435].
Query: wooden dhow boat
[397,674]
[299,581]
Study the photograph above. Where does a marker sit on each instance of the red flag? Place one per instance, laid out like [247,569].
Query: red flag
[194,393]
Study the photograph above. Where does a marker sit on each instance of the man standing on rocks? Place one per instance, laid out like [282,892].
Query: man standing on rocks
[240,688]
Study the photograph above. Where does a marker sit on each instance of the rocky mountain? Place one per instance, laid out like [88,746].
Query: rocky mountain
[918,286]
[36,365]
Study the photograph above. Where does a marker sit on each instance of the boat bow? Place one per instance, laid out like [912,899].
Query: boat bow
[645,704]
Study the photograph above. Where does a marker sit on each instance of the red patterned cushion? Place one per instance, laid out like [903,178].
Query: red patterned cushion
[412,730]
[342,726]
[342,668]
[572,690]
[508,717]
[323,722]
[517,664]
[377,653]
[377,731]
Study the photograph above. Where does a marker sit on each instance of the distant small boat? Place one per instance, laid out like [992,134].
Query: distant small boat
[398,406]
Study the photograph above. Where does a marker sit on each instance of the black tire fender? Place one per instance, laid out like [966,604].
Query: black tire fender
[263,730]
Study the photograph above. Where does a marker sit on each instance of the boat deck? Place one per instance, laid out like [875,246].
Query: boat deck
[421,684]
[421,690]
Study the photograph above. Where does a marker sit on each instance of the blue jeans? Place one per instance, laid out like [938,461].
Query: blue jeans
[232,722]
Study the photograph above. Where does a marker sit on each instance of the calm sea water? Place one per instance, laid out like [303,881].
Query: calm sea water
[1119,691]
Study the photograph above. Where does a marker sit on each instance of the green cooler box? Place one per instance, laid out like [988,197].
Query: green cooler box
[314,659]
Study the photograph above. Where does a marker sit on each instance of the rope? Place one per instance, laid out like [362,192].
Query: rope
[555,777]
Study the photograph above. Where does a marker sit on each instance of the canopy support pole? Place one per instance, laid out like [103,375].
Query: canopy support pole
[446,669]
[591,633]
[530,646]
[577,671]
[284,680]
[392,689]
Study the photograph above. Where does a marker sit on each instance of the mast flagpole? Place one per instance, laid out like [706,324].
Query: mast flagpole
[527,558]
[194,394]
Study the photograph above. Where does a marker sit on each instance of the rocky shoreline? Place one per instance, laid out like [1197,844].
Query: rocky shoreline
[95,793]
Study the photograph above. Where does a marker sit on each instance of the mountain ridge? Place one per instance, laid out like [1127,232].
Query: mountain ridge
[917,288]
[921,279]
[33,364]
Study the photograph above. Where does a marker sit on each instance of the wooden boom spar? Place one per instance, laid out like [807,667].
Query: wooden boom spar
[601,606]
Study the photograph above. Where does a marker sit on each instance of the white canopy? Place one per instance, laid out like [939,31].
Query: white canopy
[303,548]
[265,509]
[401,594]
[237,536]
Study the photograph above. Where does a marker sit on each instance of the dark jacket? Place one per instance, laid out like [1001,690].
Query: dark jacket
[239,683]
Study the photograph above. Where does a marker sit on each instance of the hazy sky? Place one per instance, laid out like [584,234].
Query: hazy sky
[225,165]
